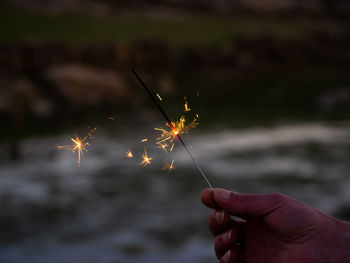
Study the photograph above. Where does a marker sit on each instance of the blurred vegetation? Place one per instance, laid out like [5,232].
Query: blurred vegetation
[250,70]
[177,30]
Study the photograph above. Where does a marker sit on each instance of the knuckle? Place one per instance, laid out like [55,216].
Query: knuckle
[278,198]
[242,199]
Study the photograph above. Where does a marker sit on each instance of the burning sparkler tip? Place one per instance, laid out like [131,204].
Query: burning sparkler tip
[168,136]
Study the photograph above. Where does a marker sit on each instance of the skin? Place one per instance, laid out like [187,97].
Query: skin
[274,228]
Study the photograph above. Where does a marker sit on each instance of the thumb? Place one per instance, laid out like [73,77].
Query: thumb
[248,204]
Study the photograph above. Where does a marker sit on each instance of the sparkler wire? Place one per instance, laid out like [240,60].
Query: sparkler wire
[170,124]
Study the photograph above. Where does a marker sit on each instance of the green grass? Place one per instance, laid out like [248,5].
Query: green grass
[179,31]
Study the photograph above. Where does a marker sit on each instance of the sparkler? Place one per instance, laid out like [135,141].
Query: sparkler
[78,145]
[176,133]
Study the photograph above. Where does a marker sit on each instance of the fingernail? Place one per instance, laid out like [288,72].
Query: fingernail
[227,236]
[219,216]
[226,258]
[223,194]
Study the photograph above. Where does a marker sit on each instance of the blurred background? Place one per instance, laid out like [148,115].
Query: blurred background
[269,79]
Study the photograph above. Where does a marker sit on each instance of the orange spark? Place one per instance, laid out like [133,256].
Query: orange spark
[168,167]
[146,160]
[79,145]
[129,154]
[111,118]
[144,140]
[186,105]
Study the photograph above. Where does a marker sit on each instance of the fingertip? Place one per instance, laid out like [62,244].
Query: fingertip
[206,194]
[207,191]
[231,255]
[226,258]
[208,199]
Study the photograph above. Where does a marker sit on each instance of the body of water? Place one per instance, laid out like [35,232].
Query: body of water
[113,210]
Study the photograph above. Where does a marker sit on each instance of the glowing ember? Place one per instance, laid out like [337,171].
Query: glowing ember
[78,145]
[168,135]
[111,118]
[186,105]
[168,167]
[129,154]
[159,97]
[145,159]
[144,140]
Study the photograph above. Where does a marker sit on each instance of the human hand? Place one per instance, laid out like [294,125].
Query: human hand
[275,229]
